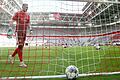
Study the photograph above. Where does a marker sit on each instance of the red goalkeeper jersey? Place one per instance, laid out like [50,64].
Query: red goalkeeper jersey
[22,19]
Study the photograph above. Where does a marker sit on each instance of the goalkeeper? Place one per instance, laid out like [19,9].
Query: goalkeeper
[22,20]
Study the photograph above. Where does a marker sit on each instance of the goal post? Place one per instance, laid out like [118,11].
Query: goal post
[84,33]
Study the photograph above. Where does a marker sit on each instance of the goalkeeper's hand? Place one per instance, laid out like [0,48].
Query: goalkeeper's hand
[31,31]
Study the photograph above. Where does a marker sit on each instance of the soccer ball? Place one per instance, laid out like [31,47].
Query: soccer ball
[71,72]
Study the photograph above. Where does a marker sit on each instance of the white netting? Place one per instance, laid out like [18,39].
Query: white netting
[84,34]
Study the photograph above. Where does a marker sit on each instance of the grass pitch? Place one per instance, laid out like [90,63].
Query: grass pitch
[53,61]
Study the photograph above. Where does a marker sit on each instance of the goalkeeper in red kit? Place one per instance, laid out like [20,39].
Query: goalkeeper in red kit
[22,20]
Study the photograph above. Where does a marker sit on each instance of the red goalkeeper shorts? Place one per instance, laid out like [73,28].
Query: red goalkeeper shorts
[21,36]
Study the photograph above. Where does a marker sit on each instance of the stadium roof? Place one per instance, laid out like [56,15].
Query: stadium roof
[68,13]
[55,6]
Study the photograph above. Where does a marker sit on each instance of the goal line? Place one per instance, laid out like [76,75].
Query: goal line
[59,76]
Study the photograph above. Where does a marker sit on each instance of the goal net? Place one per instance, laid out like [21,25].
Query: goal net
[65,32]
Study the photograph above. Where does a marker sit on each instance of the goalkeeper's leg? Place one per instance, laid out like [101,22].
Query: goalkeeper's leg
[11,56]
[21,40]
[20,53]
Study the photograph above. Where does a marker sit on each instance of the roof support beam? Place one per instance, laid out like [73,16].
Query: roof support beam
[101,1]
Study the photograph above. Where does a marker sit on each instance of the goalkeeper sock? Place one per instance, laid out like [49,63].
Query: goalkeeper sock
[20,55]
[15,52]
[19,51]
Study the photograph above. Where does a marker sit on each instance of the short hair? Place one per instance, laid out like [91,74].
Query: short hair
[24,4]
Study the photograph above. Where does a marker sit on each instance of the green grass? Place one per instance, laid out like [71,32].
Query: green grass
[54,60]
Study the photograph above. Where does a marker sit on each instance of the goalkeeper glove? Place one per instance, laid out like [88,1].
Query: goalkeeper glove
[30,30]
[9,33]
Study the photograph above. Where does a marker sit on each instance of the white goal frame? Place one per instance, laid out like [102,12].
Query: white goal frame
[59,76]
